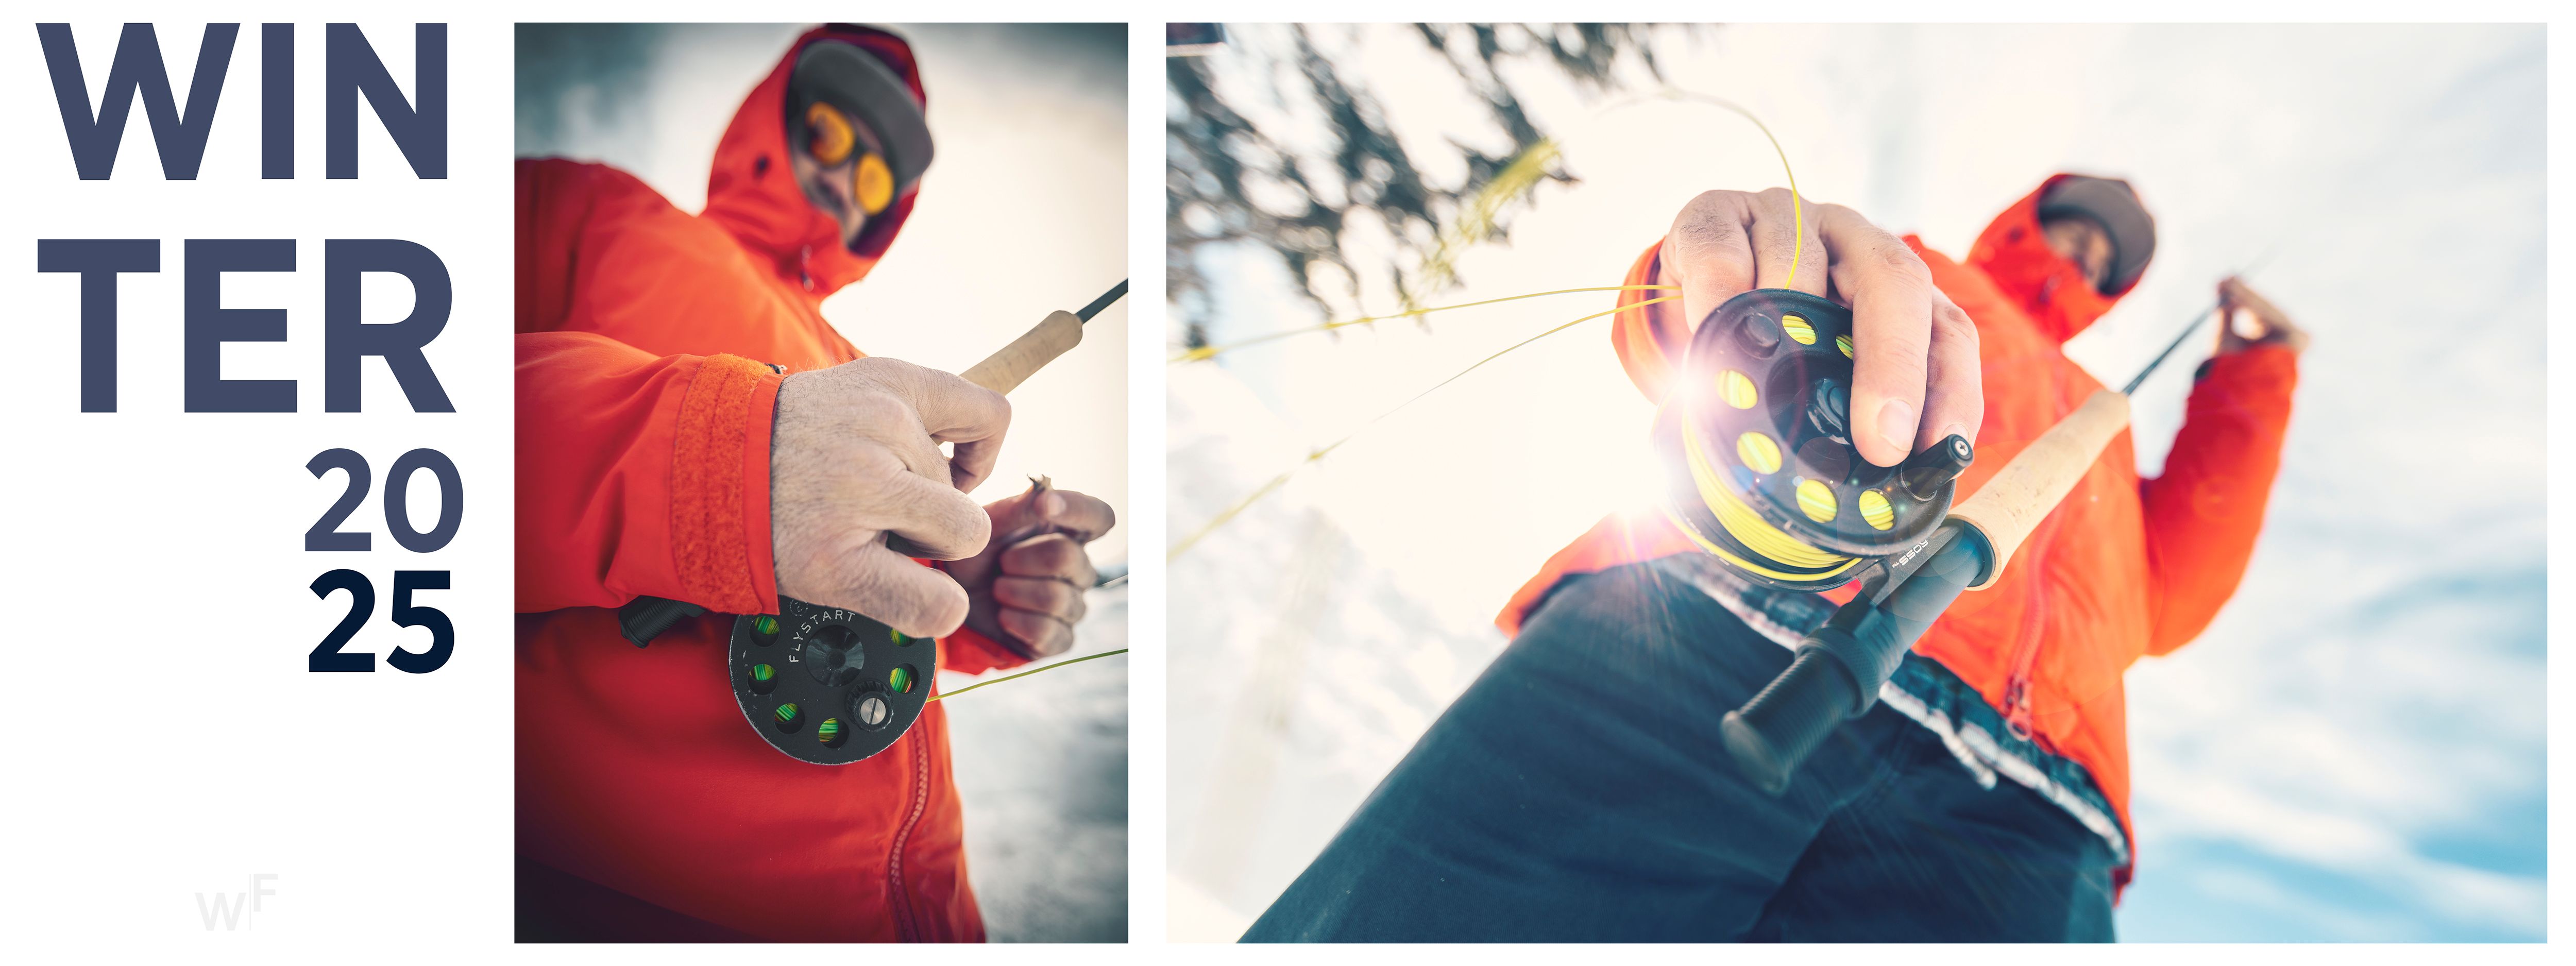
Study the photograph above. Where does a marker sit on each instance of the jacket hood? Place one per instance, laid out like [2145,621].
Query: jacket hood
[2051,289]
[752,192]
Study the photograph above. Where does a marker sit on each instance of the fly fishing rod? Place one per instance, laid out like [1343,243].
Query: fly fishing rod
[1762,474]
[828,685]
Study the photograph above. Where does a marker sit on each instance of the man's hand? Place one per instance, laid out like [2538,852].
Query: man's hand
[1027,586]
[855,456]
[2270,326]
[1915,375]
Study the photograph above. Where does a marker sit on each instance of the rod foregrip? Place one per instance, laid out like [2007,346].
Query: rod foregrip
[2017,497]
[1773,733]
[1003,371]
[1840,667]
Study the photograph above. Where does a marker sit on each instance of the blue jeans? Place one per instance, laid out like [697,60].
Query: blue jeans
[1579,791]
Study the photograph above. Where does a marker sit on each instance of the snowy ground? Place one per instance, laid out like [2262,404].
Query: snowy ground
[2353,751]
[1042,768]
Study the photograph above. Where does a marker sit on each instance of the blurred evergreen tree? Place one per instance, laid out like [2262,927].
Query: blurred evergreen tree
[1228,182]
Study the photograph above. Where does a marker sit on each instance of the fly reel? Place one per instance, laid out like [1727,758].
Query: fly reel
[1761,470]
[826,685]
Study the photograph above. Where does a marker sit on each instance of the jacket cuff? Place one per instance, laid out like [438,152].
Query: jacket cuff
[2256,369]
[720,533]
[1645,350]
[967,652]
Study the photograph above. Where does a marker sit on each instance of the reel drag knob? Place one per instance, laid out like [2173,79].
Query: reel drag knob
[1925,474]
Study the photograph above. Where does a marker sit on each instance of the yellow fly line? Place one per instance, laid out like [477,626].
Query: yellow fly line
[1797,206]
[1050,667]
[1747,527]
[1212,351]
[1475,222]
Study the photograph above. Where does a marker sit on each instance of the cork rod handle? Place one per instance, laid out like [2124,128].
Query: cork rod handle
[1003,371]
[2021,494]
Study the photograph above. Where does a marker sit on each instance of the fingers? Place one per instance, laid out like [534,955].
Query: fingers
[1726,243]
[889,420]
[2268,323]
[938,520]
[1045,636]
[1916,378]
[1078,515]
[1017,512]
[880,583]
[971,416]
[1042,595]
[1954,392]
[1053,556]
[2228,339]
[910,410]
[1893,303]
[1032,591]
[1787,250]
[1708,252]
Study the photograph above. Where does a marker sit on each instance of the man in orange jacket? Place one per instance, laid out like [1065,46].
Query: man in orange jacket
[1580,789]
[690,427]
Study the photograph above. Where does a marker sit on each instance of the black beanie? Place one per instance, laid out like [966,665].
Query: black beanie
[2111,203]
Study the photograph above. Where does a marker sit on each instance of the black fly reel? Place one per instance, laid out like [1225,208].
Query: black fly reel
[1757,443]
[826,685]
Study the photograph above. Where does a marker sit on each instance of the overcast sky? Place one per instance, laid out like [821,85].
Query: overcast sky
[2354,750]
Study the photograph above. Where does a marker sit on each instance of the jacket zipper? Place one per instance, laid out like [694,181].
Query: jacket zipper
[2018,716]
[897,897]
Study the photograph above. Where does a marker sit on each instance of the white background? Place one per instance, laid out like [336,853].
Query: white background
[156,556]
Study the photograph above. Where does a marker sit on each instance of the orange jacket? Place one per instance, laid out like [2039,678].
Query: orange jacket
[2124,567]
[644,408]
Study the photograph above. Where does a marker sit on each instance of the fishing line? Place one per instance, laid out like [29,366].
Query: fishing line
[1481,213]
[1277,481]
[2135,381]
[1212,351]
[1797,209]
[1475,221]
[1775,540]
[1050,667]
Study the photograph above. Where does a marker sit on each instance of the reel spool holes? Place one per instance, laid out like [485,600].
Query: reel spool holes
[1760,466]
[827,685]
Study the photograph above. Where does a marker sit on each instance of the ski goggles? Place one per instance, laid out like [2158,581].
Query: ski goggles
[831,139]
[837,92]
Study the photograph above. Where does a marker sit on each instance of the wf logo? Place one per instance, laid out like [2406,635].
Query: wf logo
[228,908]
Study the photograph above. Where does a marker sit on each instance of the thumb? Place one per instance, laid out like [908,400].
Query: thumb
[1019,511]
